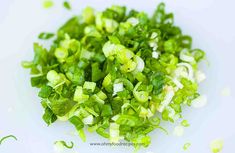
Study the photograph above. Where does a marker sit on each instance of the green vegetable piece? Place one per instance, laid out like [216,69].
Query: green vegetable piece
[88,15]
[49,117]
[106,111]
[67,5]
[63,143]
[102,95]
[107,80]
[38,81]
[48,4]
[186,146]
[89,85]
[101,131]
[26,64]
[72,28]
[216,146]
[97,74]
[61,54]
[61,106]
[141,96]
[185,123]
[82,135]
[79,96]
[45,91]
[7,137]
[45,36]
[129,120]
[77,122]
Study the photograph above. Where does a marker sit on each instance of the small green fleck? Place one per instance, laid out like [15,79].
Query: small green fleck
[216,146]
[6,137]
[62,144]
[45,35]
[67,5]
[186,146]
[185,123]
[48,4]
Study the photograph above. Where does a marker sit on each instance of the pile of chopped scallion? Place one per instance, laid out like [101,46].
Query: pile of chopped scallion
[116,72]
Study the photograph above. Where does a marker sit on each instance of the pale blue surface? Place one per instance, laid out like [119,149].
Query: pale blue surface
[211,24]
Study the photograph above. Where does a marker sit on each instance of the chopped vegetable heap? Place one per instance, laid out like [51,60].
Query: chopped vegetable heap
[117,72]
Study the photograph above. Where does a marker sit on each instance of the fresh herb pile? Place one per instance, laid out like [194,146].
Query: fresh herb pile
[116,72]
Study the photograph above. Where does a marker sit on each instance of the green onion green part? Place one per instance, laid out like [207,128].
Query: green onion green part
[48,4]
[45,36]
[186,146]
[7,137]
[67,5]
[185,123]
[216,145]
[64,144]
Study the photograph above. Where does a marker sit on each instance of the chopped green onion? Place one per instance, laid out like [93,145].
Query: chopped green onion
[48,4]
[45,36]
[88,120]
[186,146]
[141,96]
[61,54]
[67,5]
[118,72]
[114,132]
[76,122]
[7,137]
[117,88]
[79,96]
[88,15]
[216,146]
[63,143]
[82,135]
[185,123]
[89,85]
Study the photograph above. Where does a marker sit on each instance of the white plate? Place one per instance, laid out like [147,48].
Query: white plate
[211,24]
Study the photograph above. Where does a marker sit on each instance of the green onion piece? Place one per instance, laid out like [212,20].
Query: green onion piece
[186,146]
[128,120]
[82,135]
[185,123]
[141,96]
[89,85]
[129,66]
[91,111]
[114,133]
[67,5]
[45,36]
[79,96]
[63,143]
[101,95]
[216,146]
[48,4]
[61,54]
[88,15]
[92,128]
[101,131]
[76,122]
[106,111]
[26,64]
[7,137]
[107,80]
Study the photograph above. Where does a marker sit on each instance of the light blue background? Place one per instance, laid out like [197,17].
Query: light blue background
[211,24]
